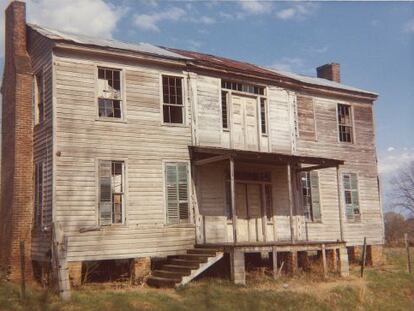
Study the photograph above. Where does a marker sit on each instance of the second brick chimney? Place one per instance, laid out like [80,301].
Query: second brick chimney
[330,71]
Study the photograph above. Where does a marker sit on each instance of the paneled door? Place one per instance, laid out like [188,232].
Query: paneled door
[249,212]
[245,122]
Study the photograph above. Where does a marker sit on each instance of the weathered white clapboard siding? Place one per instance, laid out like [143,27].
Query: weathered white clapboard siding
[140,140]
[360,158]
[41,56]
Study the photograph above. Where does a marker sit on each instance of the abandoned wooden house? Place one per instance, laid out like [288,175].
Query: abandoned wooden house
[130,151]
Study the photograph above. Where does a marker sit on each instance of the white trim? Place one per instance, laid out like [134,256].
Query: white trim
[191,214]
[125,192]
[122,80]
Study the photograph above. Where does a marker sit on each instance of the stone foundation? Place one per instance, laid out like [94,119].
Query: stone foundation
[304,261]
[140,269]
[332,260]
[75,273]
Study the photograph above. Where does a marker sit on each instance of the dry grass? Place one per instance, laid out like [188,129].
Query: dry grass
[388,287]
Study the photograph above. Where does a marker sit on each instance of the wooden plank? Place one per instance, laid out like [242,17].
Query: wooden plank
[325,267]
[212,159]
[274,260]
[407,247]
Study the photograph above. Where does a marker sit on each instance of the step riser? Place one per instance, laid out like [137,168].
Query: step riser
[202,254]
[188,264]
[200,251]
[194,257]
[182,271]
[167,274]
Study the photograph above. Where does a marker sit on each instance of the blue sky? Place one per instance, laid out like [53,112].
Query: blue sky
[373,42]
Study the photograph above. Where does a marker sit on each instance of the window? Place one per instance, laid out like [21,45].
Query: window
[243,87]
[177,193]
[224,110]
[38,193]
[111,192]
[263,124]
[310,195]
[351,196]
[173,104]
[345,123]
[109,93]
[38,102]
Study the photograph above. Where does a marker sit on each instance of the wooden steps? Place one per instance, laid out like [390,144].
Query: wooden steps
[180,270]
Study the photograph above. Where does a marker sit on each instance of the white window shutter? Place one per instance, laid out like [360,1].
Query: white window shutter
[172,194]
[316,202]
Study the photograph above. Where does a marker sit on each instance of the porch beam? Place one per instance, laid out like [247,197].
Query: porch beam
[341,217]
[314,167]
[212,159]
[233,199]
[289,176]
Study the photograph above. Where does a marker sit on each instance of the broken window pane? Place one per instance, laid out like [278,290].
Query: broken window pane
[344,123]
[109,93]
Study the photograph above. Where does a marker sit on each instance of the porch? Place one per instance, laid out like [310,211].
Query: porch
[251,202]
[249,196]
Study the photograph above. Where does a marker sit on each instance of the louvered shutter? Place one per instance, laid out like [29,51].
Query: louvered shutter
[316,202]
[105,192]
[183,192]
[172,194]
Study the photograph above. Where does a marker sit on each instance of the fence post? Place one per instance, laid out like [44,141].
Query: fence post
[407,247]
[23,270]
[364,257]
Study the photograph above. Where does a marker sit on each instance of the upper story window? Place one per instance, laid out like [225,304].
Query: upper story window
[351,195]
[345,128]
[109,93]
[310,195]
[111,192]
[224,110]
[263,116]
[243,87]
[173,103]
[38,98]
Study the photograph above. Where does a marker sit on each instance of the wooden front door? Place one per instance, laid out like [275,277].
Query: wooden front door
[245,118]
[249,212]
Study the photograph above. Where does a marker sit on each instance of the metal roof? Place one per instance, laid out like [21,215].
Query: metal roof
[231,63]
[186,55]
[107,43]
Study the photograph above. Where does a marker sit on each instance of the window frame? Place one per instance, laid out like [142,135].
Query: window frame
[354,219]
[351,125]
[227,96]
[38,118]
[183,94]
[125,191]
[38,213]
[189,188]
[266,116]
[122,92]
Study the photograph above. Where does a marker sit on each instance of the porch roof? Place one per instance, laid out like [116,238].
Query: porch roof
[204,155]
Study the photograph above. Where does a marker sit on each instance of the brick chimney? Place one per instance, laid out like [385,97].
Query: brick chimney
[16,208]
[330,71]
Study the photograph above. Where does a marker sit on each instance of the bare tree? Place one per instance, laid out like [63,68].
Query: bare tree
[403,189]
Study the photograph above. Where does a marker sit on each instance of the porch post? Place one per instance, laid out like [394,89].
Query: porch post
[341,220]
[264,215]
[289,175]
[233,200]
